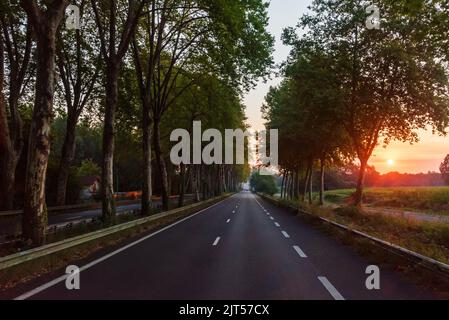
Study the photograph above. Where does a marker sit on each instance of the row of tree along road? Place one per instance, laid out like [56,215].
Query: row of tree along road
[135,67]
[347,88]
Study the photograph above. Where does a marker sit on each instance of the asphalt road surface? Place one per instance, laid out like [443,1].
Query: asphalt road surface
[241,248]
[63,219]
[10,226]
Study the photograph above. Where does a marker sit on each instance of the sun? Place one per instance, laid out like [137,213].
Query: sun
[390,162]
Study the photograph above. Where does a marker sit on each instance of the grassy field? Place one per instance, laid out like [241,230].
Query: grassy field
[434,200]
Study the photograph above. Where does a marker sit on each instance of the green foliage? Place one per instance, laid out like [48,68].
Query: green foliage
[348,89]
[88,168]
[263,184]
[444,169]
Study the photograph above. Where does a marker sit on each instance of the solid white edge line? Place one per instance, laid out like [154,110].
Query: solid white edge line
[300,252]
[216,241]
[110,255]
[286,234]
[329,287]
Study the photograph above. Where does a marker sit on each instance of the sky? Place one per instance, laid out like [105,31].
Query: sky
[424,156]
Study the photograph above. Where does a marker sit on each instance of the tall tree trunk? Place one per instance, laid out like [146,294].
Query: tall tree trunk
[11,145]
[147,188]
[162,168]
[195,183]
[6,175]
[322,164]
[311,186]
[297,184]
[8,165]
[107,177]
[68,153]
[286,184]
[358,196]
[34,220]
[306,185]
[11,135]
[290,186]
[282,184]
[182,186]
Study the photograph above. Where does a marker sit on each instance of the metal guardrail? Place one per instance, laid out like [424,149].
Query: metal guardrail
[57,247]
[411,255]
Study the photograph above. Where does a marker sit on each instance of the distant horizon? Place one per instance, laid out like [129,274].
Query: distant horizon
[407,173]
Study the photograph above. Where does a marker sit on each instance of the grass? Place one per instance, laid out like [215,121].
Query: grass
[428,238]
[433,200]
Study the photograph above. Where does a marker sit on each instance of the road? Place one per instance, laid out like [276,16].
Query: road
[241,248]
[10,226]
[63,219]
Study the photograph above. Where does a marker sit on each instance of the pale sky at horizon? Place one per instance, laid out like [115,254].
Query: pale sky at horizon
[422,157]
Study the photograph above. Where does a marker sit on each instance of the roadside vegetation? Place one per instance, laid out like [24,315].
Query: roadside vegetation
[100,101]
[431,200]
[375,87]
[263,184]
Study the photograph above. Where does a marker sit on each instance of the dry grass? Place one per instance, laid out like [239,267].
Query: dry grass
[428,238]
[434,200]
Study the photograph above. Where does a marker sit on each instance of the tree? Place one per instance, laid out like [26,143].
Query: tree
[263,184]
[390,84]
[17,43]
[45,21]
[218,106]
[79,66]
[444,169]
[4,132]
[196,38]
[115,38]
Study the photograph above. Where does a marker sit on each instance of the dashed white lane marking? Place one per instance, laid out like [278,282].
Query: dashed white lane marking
[233,211]
[229,220]
[334,292]
[277,224]
[272,218]
[216,241]
[285,234]
[300,252]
